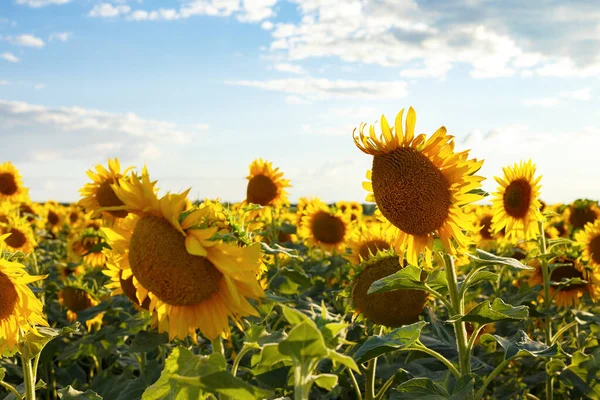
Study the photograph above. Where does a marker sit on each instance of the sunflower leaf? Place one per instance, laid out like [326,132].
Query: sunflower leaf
[486,312]
[304,342]
[397,339]
[479,276]
[408,277]
[222,382]
[420,388]
[343,359]
[521,345]
[584,374]
[36,342]
[325,381]
[485,258]
[479,192]
[145,341]
[69,393]
[568,282]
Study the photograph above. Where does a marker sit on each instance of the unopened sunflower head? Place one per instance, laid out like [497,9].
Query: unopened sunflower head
[420,185]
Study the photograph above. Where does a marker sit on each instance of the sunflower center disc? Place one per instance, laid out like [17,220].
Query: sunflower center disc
[595,249]
[410,191]
[8,185]
[486,223]
[8,297]
[328,228]
[53,218]
[371,247]
[106,197]
[261,190]
[393,309]
[161,263]
[76,299]
[567,272]
[16,239]
[517,198]
[73,217]
[130,292]
[581,216]
[25,209]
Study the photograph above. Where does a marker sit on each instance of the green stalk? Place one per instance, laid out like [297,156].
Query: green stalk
[370,379]
[238,359]
[10,388]
[458,307]
[300,386]
[355,384]
[424,349]
[547,306]
[28,376]
[490,378]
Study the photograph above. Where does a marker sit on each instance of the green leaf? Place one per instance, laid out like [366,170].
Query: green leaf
[224,383]
[268,358]
[420,388]
[521,345]
[183,363]
[36,342]
[325,381]
[294,317]
[145,341]
[69,393]
[2,373]
[304,342]
[480,276]
[485,313]
[485,258]
[584,374]
[408,277]
[479,192]
[338,358]
[399,338]
[568,282]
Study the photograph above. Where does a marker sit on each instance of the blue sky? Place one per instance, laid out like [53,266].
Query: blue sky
[196,89]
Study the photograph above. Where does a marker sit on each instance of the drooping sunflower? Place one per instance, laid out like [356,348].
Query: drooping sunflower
[324,228]
[77,298]
[11,185]
[100,192]
[567,267]
[391,309]
[21,236]
[580,213]
[516,204]
[193,279]
[266,186]
[589,240]
[20,310]
[368,241]
[420,185]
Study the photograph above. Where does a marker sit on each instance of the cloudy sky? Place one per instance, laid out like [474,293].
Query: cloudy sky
[196,89]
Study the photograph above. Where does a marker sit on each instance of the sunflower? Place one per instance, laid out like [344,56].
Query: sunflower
[589,240]
[11,185]
[121,282]
[74,216]
[392,309]
[80,244]
[323,228]
[580,213]
[368,241]
[20,310]
[76,299]
[420,185]
[193,279]
[29,211]
[516,205]
[564,267]
[100,193]
[54,213]
[21,236]
[266,185]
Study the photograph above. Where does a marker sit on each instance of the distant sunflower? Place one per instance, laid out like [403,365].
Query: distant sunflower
[368,241]
[581,212]
[516,205]
[76,299]
[74,216]
[323,228]
[266,185]
[100,192]
[28,210]
[193,281]
[420,185]
[54,216]
[20,310]
[392,309]
[11,185]
[589,240]
[563,267]
[21,236]
[79,246]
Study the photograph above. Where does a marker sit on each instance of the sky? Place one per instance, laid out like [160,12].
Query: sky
[197,89]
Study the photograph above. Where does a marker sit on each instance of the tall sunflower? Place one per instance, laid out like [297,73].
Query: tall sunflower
[589,240]
[100,193]
[20,310]
[11,185]
[324,228]
[516,204]
[193,279]
[266,186]
[420,185]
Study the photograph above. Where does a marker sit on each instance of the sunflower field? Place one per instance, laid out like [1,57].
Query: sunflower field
[432,289]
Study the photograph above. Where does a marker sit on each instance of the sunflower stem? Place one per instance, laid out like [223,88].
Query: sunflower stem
[370,379]
[490,378]
[547,305]
[238,359]
[10,388]
[458,307]
[28,376]
[217,346]
[355,384]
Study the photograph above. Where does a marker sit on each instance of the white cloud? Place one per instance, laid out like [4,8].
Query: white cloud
[256,10]
[323,89]
[41,3]
[267,25]
[545,102]
[60,36]
[26,40]
[579,94]
[297,100]
[9,57]
[39,86]
[3,83]
[107,10]
[290,68]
